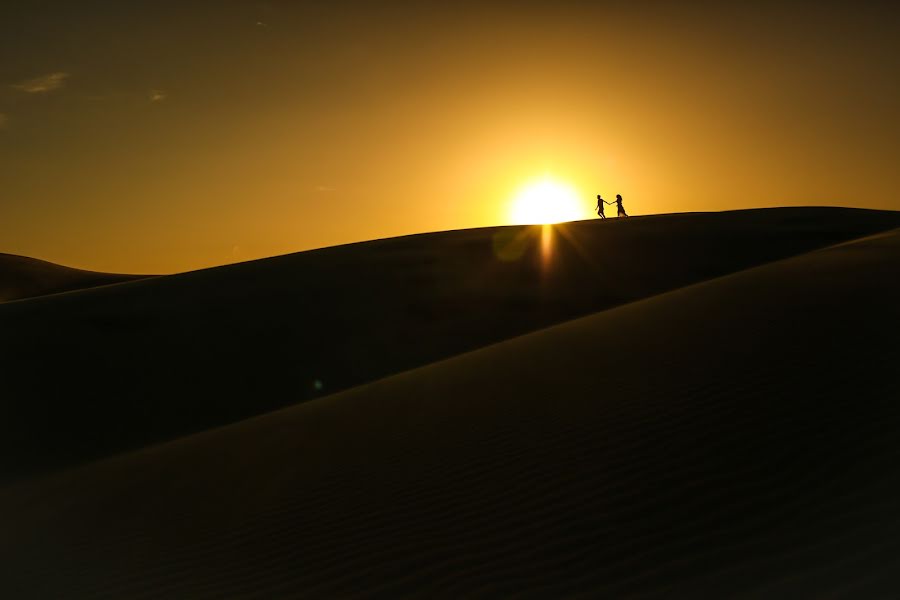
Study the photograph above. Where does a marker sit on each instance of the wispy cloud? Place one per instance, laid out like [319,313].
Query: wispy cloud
[43,84]
[3,120]
[324,188]
[158,95]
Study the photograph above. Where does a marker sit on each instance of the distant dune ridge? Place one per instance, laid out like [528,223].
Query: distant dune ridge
[724,423]
[22,277]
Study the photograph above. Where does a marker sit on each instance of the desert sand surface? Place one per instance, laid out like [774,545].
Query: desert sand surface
[22,277]
[737,437]
[91,373]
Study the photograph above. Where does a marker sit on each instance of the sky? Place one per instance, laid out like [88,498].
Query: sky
[157,137]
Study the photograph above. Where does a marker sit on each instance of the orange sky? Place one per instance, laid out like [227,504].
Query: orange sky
[166,136]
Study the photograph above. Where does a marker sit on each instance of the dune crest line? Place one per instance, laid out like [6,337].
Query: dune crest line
[150,360]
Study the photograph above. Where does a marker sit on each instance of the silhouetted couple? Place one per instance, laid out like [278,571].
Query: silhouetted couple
[618,203]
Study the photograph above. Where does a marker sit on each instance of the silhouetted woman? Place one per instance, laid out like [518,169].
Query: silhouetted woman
[619,206]
[601,205]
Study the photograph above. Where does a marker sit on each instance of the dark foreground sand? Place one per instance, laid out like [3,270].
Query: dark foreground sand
[23,277]
[734,437]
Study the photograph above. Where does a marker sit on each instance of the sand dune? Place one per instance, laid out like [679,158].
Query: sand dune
[22,277]
[91,373]
[737,437]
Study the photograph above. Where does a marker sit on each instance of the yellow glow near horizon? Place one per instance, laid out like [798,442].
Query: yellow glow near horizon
[544,202]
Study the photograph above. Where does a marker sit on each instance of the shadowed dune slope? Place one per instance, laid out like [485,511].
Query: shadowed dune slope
[91,373]
[23,277]
[735,437]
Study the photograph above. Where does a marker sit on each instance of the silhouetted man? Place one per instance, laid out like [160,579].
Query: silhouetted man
[621,209]
[601,205]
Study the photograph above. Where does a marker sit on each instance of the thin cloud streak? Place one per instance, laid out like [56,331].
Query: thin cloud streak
[43,84]
[3,120]
[158,95]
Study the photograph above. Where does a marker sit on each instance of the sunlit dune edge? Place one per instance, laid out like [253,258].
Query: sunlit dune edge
[735,436]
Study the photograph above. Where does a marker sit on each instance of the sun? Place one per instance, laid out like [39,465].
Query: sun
[546,201]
